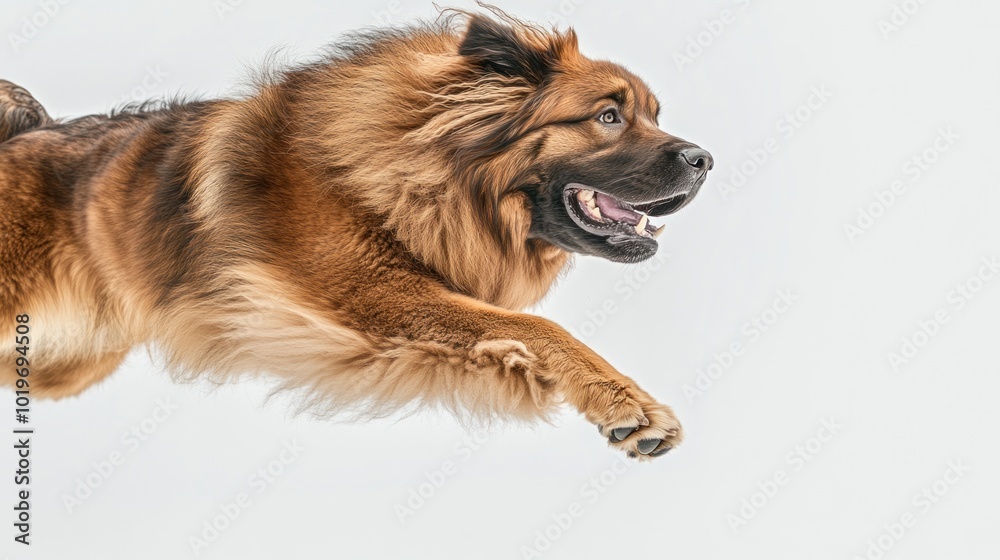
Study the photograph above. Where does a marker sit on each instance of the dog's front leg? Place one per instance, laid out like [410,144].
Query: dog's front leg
[519,364]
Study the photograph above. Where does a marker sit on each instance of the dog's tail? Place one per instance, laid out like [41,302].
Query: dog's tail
[19,111]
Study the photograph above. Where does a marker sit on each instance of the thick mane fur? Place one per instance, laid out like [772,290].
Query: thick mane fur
[409,124]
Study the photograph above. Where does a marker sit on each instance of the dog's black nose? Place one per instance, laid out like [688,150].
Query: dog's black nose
[698,158]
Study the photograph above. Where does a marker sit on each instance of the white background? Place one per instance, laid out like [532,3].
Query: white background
[825,357]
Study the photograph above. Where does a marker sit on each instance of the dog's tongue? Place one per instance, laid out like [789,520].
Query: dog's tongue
[613,209]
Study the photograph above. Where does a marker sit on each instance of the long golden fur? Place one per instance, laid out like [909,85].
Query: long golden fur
[354,227]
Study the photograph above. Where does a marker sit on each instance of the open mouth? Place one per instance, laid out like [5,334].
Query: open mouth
[602,214]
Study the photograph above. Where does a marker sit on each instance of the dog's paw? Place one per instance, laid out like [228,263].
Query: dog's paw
[642,430]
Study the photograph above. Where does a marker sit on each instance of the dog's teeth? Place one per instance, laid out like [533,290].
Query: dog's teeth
[659,231]
[596,212]
[641,226]
[585,195]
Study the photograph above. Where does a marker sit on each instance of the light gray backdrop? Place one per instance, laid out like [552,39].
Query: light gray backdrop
[852,207]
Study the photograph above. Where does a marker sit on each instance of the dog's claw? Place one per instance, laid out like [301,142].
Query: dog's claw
[619,434]
[647,445]
[663,451]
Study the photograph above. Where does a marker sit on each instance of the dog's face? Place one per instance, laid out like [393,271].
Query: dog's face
[609,169]
[597,166]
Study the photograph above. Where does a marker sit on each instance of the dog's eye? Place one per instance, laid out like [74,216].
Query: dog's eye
[610,117]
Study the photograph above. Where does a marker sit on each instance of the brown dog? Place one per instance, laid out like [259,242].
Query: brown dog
[366,227]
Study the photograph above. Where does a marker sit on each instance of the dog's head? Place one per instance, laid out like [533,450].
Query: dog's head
[577,140]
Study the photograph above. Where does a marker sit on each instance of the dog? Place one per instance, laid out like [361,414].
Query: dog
[365,227]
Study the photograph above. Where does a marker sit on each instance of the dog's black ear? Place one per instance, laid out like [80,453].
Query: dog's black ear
[496,47]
